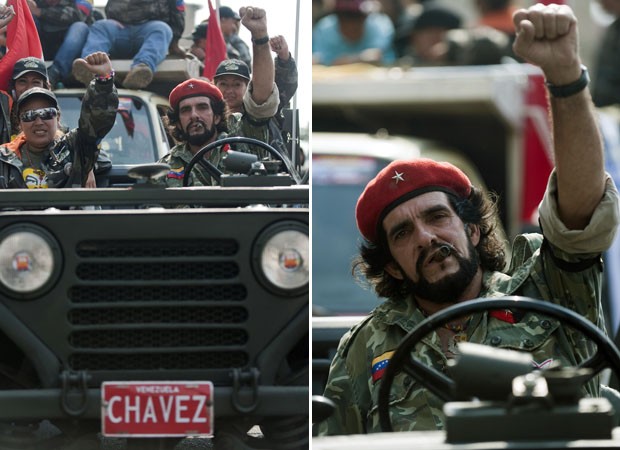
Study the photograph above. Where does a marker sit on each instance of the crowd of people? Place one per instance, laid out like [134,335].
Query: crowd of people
[245,97]
[414,33]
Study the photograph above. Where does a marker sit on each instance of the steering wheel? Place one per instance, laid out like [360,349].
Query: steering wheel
[607,355]
[239,140]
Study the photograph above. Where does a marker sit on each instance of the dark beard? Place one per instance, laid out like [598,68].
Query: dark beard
[451,287]
[201,139]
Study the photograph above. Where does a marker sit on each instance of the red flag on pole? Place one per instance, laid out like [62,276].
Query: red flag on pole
[22,40]
[215,47]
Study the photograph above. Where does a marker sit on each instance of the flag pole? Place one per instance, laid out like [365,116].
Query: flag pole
[296,53]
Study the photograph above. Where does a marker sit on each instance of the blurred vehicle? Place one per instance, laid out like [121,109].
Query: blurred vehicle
[142,319]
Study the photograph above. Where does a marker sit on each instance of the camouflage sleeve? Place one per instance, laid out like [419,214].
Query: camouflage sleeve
[254,122]
[98,111]
[64,13]
[242,49]
[347,418]
[97,117]
[265,110]
[286,79]
[596,237]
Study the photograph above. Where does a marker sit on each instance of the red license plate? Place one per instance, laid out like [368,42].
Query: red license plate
[157,409]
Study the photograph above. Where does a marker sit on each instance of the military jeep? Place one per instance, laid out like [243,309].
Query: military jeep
[147,315]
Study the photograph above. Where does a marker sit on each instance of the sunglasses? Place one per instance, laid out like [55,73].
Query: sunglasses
[43,113]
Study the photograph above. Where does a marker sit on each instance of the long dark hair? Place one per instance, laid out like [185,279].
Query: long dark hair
[219,107]
[479,209]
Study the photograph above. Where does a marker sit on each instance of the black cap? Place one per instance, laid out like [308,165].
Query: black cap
[29,64]
[37,92]
[228,13]
[435,16]
[233,67]
[200,32]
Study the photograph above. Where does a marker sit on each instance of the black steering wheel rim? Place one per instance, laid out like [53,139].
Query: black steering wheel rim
[607,355]
[237,140]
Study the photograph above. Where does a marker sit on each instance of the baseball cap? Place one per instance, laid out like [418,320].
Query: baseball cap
[228,13]
[200,32]
[436,16]
[37,92]
[403,180]
[29,64]
[362,7]
[194,87]
[233,67]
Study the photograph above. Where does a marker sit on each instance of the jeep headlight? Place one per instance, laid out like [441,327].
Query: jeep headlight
[29,261]
[282,258]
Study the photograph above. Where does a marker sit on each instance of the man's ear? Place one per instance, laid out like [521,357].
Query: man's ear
[217,119]
[393,269]
[474,233]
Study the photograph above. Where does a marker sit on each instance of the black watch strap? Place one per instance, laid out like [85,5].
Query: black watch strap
[566,90]
[261,41]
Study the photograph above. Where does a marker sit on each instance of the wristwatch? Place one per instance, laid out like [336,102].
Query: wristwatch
[261,41]
[566,90]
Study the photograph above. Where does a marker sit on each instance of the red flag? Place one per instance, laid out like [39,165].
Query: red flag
[215,47]
[537,151]
[22,40]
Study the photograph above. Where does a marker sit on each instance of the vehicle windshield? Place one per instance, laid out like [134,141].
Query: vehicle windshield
[337,182]
[130,141]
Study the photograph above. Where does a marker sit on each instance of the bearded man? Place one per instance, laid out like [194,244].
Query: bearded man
[199,114]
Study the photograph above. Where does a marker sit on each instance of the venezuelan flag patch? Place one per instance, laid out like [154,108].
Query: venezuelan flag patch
[177,173]
[379,364]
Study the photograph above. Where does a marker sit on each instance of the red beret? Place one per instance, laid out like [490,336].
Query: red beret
[400,181]
[194,87]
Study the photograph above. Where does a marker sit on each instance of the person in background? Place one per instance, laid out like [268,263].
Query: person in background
[606,83]
[436,37]
[63,27]
[7,13]
[287,81]
[142,30]
[46,159]
[236,48]
[31,72]
[353,33]
[199,40]
[27,73]
[497,14]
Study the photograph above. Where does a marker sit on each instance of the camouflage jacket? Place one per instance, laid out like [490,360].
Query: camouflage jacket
[286,78]
[236,48]
[253,123]
[59,15]
[539,269]
[72,155]
[135,12]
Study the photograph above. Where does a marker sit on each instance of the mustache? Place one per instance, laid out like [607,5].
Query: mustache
[194,122]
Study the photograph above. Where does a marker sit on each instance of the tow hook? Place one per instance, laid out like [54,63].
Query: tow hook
[74,396]
[245,390]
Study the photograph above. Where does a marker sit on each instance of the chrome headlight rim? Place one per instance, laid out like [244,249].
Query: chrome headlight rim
[261,243]
[56,254]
